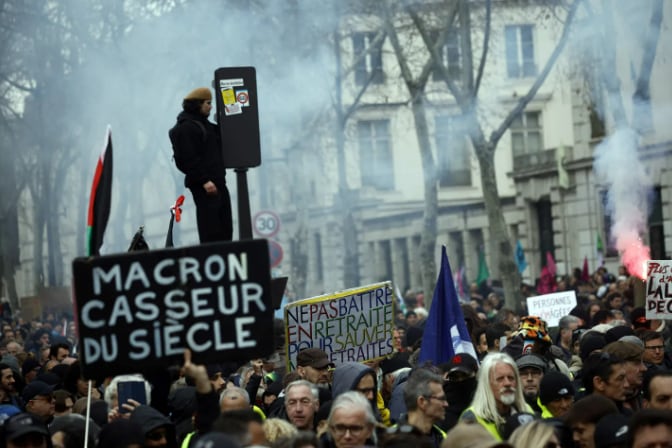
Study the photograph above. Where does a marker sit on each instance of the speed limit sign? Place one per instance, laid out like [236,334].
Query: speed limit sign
[266,224]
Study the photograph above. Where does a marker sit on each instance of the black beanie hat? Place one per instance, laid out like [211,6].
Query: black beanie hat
[590,342]
[555,385]
[616,333]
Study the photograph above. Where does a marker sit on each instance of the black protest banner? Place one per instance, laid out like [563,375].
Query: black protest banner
[140,310]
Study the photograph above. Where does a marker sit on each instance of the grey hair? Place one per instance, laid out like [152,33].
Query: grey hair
[313,388]
[354,401]
[231,391]
[567,320]
[417,385]
[484,404]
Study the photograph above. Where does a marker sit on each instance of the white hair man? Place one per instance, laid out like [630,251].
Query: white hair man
[351,421]
[302,402]
[498,395]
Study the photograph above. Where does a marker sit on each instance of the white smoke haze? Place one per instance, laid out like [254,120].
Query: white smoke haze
[136,84]
[620,33]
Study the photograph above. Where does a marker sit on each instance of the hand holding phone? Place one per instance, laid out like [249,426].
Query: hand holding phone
[130,390]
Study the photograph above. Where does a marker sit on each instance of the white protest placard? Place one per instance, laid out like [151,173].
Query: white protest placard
[659,289]
[352,325]
[552,307]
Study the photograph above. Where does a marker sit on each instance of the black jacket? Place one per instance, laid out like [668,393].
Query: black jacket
[197,150]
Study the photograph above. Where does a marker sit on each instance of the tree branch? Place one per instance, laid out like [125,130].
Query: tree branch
[360,94]
[486,45]
[642,93]
[433,48]
[406,73]
[524,100]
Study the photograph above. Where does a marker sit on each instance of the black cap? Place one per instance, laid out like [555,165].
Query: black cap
[553,386]
[393,364]
[36,388]
[21,424]
[611,430]
[463,362]
[616,333]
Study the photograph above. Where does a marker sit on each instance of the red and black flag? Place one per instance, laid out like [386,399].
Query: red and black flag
[175,216]
[100,201]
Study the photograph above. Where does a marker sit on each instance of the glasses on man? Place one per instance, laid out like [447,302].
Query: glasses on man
[440,398]
[45,398]
[340,430]
[655,348]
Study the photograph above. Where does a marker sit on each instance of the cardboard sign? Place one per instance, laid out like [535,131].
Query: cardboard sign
[659,289]
[552,307]
[141,310]
[352,325]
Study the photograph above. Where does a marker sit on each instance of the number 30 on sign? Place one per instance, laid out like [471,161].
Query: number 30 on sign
[266,224]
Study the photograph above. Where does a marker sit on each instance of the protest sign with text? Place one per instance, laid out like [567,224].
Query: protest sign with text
[140,310]
[551,307]
[352,325]
[659,289]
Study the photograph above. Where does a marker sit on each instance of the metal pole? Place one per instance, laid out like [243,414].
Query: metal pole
[244,215]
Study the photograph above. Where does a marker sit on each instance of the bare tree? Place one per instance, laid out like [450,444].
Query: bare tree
[466,95]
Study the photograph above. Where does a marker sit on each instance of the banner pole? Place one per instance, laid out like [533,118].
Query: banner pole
[88,415]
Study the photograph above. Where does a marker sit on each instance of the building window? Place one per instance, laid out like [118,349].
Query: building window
[656,227]
[526,133]
[453,155]
[609,245]
[520,51]
[375,154]
[451,56]
[368,59]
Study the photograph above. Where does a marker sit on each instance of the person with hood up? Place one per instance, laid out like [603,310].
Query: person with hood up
[351,376]
[159,431]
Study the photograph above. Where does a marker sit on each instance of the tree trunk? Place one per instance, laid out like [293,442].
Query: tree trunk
[500,243]
[431,205]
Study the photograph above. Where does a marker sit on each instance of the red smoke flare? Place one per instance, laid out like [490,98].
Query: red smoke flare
[634,254]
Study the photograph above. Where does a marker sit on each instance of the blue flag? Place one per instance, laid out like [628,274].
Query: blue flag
[520,257]
[445,330]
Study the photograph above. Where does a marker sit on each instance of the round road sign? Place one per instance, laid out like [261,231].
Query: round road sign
[266,224]
[275,253]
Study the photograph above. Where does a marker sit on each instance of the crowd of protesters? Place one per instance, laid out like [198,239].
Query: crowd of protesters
[602,379]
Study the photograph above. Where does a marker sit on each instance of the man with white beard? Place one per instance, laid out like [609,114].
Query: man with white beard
[498,394]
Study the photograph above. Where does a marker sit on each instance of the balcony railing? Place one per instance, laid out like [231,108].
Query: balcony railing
[541,160]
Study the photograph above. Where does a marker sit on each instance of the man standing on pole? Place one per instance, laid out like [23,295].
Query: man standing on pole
[198,154]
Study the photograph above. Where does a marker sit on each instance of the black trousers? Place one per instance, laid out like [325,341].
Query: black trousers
[213,214]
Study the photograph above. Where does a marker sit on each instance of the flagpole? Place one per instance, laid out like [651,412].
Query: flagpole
[102,174]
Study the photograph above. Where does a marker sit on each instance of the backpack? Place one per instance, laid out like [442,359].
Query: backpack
[171,134]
